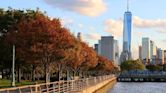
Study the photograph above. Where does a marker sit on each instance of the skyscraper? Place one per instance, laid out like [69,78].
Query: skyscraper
[160,56]
[153,52]
[146,50]
[140,52]
[165,56]
[96,48]
[107,47]
[99,47]
[79,36]
[126,53]
[116,52]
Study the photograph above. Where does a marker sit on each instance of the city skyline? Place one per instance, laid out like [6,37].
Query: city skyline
[109,18]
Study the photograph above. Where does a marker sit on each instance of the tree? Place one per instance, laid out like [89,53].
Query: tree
[89,58]
[41,40]
[132,65]
[8,21]
[153,67]
[5,56]
[103,66]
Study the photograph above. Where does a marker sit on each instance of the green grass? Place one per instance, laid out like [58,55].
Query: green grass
[7,83]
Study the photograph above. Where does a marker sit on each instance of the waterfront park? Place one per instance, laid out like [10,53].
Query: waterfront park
[38,50]
[38,54]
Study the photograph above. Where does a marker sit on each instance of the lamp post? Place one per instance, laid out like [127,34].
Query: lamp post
[13,67]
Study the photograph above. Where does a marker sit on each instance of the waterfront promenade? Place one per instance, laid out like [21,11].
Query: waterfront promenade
[87,85]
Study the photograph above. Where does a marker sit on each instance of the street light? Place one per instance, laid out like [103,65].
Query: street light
[13,67]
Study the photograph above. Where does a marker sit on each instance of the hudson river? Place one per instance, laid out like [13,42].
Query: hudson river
[121,87]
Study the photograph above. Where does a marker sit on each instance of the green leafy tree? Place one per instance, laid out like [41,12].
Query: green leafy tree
[153,67]
[132,65]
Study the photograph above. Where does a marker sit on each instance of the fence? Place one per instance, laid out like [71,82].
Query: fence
[70,86]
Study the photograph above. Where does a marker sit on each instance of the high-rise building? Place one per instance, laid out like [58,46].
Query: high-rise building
[165,56]
[116,52]
[160,53]
[126,53]
[153,52]
[99,47]
[107,47]
[96,48]
[146,49]
[140,52]
[79,36]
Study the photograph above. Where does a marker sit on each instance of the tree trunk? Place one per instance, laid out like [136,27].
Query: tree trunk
[67,75]
[2,73]
[59,72]
[74,74]
[19,74]
[47,74]
[33,73]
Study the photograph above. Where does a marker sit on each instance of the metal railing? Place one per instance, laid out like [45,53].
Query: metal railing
[70,86]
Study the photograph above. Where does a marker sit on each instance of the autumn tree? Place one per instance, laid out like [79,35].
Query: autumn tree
[103,66]
[41,40]
[8,21]
[89,58]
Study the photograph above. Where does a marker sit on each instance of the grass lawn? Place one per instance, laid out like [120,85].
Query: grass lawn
[7,83]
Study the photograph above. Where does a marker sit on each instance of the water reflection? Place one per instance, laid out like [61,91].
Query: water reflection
[139,88]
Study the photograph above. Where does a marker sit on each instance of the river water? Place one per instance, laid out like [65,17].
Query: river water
[123,87]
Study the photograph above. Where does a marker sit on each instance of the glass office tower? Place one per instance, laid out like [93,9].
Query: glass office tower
[127,32]
[126,53]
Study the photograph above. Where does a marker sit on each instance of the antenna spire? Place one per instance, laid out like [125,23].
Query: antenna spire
[127,5]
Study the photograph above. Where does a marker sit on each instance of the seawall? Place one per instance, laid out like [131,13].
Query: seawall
[101,87]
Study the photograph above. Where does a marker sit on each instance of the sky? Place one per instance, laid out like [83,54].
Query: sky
[96,18]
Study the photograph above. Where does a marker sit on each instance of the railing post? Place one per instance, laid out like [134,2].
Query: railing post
[100,78]
[19,90]
[53,88]
[67,85]
[31,91]
[63,90]
[87,82]
[47,88]
[59,87]
[94,80]
[36,89]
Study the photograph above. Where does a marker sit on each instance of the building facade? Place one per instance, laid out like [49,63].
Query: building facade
[165,56]
[127,27]
[146,50]
[116,52]
[96,48]
[107,47]
[140,52]
[160,53]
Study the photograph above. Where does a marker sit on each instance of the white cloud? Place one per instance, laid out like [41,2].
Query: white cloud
[93,36]
[84,7]
[147,23]
[115,27]
[156,24]
[67,21]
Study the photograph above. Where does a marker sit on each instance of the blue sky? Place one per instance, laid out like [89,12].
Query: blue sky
[95,18]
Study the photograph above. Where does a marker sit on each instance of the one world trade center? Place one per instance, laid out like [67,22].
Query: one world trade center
[126,53]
